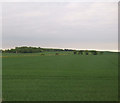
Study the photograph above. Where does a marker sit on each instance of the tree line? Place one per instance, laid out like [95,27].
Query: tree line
[26,49]
[86,52]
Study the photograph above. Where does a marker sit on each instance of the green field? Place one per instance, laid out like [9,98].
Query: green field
[63,77]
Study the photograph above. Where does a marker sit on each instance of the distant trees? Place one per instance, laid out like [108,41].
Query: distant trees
[26,49]
[94,52]
[75,52]
[56,53]
[101,52]
[87,52]
[68,50]
[80,52]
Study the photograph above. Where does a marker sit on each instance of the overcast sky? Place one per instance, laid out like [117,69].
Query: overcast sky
[77,25]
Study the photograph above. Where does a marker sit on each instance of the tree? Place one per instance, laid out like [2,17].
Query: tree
[86,52]
[94,52]
[75,52]
[56,53]
[80,52]
[101,52]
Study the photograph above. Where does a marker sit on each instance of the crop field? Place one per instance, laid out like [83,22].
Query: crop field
[63,77]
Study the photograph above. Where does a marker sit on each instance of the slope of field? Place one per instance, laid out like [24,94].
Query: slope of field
[32,77]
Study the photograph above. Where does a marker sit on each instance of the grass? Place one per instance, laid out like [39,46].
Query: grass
[32,77]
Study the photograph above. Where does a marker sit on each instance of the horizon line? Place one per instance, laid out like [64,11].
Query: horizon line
[64,48]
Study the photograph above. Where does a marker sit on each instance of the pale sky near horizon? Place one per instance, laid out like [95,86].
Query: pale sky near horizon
[77,25]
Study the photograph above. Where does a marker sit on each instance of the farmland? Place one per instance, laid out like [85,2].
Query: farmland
[63,77]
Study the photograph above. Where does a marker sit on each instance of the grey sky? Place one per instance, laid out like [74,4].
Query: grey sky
[80,25]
